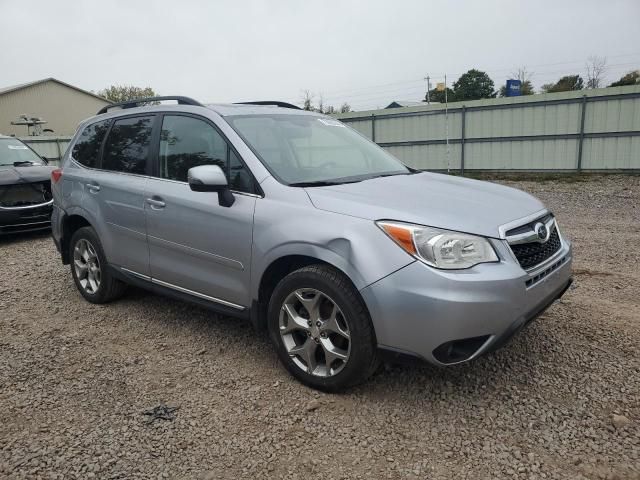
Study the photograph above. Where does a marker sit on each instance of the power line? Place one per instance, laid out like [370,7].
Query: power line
[347,92]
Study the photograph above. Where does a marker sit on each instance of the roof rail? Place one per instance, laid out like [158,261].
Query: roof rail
[269,102]
[137,101]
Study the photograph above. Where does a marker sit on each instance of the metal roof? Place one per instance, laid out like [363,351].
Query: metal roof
[21,86]
[406,103]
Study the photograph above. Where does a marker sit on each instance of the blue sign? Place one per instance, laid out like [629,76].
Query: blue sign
[513,88]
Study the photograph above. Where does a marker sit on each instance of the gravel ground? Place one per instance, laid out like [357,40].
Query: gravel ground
[561,401]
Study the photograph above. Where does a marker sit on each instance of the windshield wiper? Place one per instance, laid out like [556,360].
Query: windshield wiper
[322,183]
[24,162]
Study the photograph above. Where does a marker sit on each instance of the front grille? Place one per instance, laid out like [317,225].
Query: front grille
[546,272]
[532,254]
[25,194]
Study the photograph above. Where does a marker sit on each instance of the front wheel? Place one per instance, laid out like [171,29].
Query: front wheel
[321,329]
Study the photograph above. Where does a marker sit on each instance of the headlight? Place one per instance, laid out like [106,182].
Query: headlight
[440,248]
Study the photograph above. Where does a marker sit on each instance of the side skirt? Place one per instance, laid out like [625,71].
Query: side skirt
[185,297]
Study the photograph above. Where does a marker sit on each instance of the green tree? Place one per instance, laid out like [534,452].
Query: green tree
[345,108]
[631,78]
[437,96]
[565,84]
[473,85]
[123,93]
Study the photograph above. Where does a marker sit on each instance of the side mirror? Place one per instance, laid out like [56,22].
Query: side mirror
[211,178]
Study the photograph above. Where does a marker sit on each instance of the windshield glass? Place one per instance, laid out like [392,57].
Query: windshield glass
[14,151]
[302,149]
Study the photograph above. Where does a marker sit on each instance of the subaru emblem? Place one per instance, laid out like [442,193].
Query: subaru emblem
[541,230]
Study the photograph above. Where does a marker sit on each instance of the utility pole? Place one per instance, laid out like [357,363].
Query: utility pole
[427,78]
[446,117]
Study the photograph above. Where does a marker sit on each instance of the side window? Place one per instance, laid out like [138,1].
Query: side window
[239,177]
[87,148]
[127,146]
[187,142]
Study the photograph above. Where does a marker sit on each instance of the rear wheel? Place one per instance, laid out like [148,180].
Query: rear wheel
[89,268]
[321,329]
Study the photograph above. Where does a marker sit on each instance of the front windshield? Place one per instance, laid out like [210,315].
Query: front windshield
[13,152]
[306,149]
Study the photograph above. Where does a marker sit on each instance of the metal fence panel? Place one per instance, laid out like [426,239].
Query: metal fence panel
[364,127]
[52,148]
[589,129]
[427,157]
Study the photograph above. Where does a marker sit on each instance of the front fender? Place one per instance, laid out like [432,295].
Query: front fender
[353,245]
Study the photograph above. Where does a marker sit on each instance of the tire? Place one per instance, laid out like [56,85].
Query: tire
[341,351]
[104,287]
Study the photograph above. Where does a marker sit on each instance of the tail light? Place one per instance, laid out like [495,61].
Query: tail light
[56,175]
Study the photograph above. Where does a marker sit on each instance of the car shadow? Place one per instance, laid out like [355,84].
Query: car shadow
[11,238]
[395,379]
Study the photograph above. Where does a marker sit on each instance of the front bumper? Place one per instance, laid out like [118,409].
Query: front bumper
[25,219]
[448,317]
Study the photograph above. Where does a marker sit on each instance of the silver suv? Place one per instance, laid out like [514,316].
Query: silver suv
[303,226]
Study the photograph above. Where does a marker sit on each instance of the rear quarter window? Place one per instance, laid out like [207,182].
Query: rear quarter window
[86,151]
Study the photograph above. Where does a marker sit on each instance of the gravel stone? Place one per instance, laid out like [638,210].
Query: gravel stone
[75,377]
[620,421]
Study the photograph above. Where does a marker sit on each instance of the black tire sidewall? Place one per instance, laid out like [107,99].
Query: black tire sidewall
[363,346]
[89,234]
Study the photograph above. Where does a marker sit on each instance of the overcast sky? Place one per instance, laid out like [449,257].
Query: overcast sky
[367,53]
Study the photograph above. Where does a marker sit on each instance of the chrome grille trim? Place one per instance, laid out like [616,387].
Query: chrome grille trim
[525,235]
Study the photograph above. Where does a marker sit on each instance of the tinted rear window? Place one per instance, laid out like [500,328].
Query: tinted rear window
[87,149]
[127,146]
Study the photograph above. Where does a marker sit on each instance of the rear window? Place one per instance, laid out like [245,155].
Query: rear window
[87,149]
[127,146]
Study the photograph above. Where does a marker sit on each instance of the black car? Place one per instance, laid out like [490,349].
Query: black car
[25,188]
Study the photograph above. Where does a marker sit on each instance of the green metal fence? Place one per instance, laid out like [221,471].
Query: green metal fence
[52,148]
[585,130]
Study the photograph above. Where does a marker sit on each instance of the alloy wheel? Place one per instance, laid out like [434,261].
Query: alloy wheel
[315,332]
[87,266]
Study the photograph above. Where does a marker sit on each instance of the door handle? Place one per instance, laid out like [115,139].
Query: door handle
[93,187]
[156,204]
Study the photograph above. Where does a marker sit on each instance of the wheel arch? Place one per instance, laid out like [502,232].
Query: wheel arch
[70,224]
[276,270]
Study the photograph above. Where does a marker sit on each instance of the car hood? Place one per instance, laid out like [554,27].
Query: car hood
[432,199]
[26,174]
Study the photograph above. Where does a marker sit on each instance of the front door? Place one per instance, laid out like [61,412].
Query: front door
[195,245]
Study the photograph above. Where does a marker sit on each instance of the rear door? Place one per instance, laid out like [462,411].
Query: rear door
[115,192]
[196,245]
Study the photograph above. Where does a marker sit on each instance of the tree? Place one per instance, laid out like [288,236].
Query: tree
[631,78]
[526,87]
[320,108]
[122,93]
[307,104]
[307,100]
[565,84]
[473,85]
[437,96]
[596,69]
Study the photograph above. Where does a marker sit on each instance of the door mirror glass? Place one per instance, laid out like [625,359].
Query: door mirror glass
[210,178]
